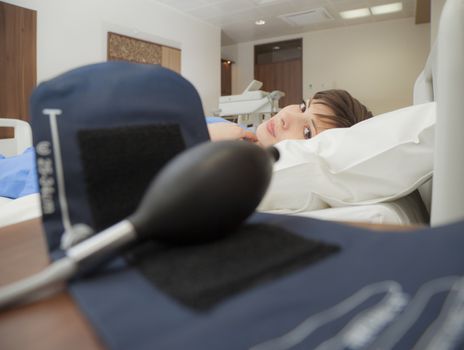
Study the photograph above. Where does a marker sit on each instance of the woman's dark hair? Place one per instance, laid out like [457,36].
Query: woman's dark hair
[348,110]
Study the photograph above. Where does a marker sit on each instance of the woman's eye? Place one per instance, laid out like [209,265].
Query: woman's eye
[307,133]
[303,106]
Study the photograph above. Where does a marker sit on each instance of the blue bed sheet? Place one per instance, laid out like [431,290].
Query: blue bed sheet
[18,175]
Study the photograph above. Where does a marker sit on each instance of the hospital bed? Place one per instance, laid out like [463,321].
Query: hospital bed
[27,207]
[406,211]
[21,140]
[252,106]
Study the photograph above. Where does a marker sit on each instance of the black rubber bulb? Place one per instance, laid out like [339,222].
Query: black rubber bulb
[205,192]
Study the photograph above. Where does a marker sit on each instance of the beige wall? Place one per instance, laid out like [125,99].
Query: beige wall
[376,62]
[74,33]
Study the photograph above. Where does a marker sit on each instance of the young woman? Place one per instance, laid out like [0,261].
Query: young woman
[326,110]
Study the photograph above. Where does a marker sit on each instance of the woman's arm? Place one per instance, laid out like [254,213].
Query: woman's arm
[229,131]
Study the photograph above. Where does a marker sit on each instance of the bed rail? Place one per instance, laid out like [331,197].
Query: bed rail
[22,137]
[448,189]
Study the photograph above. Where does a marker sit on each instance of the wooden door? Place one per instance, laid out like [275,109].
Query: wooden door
[18,69]
[278,65]
[285,76]
[226,77]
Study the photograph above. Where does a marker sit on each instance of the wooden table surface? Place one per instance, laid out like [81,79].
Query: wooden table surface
[54,323]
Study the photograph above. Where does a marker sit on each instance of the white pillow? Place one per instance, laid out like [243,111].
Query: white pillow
[377,160]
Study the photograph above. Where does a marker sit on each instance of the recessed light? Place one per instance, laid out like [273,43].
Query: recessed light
[260,22]
[364,12]
[387,8]
[276,48]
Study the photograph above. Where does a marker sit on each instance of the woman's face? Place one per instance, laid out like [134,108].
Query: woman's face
[295,122]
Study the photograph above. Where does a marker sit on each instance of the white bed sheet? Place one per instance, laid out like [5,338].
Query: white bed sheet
[4,200]
[408,210]
[13,211]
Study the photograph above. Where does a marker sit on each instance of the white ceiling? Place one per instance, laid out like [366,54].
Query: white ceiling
[237,18]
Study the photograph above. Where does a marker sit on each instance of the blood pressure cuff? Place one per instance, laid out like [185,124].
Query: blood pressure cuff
[101,133]
[379,290]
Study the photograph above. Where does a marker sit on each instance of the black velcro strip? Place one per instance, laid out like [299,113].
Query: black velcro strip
[119,163]
[200,276]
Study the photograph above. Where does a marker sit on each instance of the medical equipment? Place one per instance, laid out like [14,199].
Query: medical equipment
[198,199]
[96,159]
[252,106]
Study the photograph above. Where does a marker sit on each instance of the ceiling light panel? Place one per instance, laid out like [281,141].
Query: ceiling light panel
[358,13]
[306,18]
[387,8]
